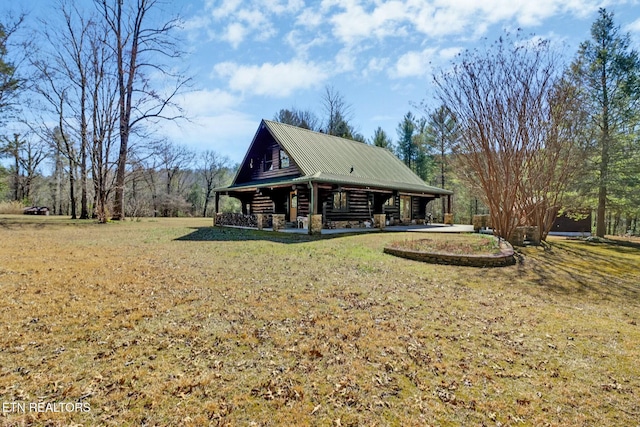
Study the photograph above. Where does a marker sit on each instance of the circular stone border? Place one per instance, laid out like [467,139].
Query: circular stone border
[505,258]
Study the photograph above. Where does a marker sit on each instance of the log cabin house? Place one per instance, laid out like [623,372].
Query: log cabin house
[296,177]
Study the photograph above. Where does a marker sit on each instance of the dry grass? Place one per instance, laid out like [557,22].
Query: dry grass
[173,323]
[460,244]
[11,207]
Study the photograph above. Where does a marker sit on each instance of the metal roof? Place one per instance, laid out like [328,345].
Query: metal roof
[326,158]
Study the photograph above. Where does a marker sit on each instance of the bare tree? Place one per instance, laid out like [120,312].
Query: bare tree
[72,59]
[34,153]
[174,160]
[65,145]
[514,140]
[301,118]
[338,115]
[63,67]
[552,163]
[212,167]
[140,45]
[104,118]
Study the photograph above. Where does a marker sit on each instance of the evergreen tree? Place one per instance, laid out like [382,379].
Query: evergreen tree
[406,147]
[10,82]
[381,139]
[441,135]
[609,71]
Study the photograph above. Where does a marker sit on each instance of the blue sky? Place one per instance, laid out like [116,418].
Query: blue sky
[251,58]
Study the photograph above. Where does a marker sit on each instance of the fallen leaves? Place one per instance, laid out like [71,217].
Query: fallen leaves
[226,332]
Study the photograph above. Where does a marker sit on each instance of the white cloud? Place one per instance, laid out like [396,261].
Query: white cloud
[633,27]
[227,8]
[449,53]
[235,34]
[376,65]
[302,42]
[278,80]
[355,23]
[227,133]
[345,60]
[309,18]
[214,123]
[205,102]
[280,7]
[413,64]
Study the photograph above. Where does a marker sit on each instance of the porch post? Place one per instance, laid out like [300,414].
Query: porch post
[314,198]
[315,219]
[216,205]
[448,217]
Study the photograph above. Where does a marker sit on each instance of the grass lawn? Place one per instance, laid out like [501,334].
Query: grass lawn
[171,322]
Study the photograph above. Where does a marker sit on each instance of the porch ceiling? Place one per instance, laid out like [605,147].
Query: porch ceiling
[364,183]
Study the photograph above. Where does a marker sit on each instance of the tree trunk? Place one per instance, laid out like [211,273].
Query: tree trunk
[118,203]
[604,159]
[84,207]
[207,196]
[72,192]
[59,171]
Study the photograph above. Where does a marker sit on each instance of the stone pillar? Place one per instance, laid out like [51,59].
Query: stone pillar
[379,221]
[517,238]
[523,234]
[448,218]
[260,221]
[481,221]
[533,235]
[315,224]
[278,221]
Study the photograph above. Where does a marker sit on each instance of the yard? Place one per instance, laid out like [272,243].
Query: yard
[171,322]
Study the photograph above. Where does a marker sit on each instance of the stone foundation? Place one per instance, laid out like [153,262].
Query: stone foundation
[481,221]
[448,218]
[278,222]
[379,221]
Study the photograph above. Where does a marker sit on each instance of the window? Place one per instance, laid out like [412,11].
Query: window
[340,202]
[390,201]
[284,160]
[268,162]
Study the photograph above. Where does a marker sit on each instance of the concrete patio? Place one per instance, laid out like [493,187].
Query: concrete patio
[430,228]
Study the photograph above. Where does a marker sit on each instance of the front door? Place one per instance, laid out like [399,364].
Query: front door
[405,208]
[293,206]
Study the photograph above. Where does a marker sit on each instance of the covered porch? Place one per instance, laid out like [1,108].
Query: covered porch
[287,204]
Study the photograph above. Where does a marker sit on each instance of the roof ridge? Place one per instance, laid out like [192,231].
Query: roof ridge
[322,134]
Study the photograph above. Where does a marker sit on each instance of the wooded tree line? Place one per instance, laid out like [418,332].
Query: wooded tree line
[513,127]
[91,106]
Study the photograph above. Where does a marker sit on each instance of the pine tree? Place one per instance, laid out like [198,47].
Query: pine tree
[609,71]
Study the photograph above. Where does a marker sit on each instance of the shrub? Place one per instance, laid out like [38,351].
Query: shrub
[12,207]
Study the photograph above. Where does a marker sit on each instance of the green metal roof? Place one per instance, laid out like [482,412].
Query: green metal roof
[326,158]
